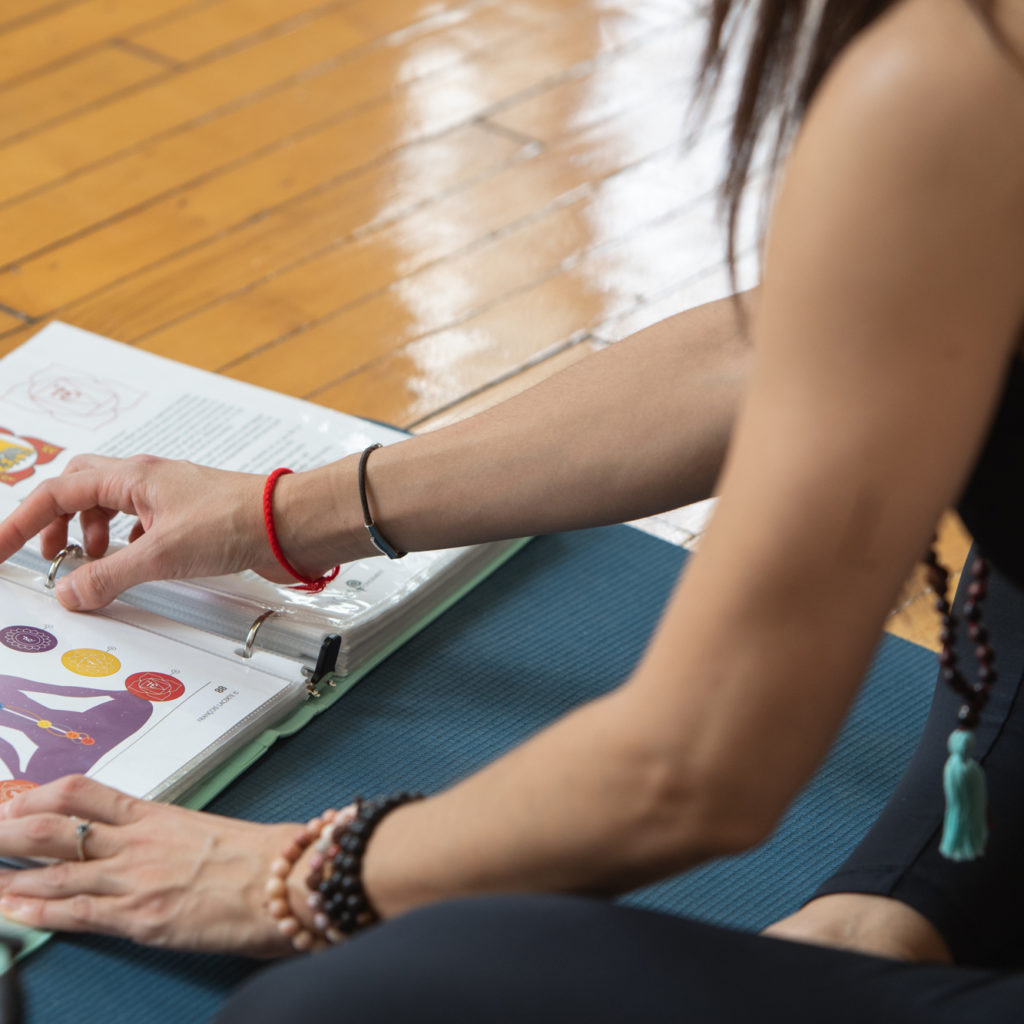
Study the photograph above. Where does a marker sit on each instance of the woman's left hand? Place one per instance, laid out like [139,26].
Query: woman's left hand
[158,874]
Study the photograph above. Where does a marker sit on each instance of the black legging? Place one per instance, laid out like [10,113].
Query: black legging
[979,906]
[536,959]
[542,958]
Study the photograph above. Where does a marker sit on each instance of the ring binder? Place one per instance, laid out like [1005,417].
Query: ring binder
[250,638]
[71,551]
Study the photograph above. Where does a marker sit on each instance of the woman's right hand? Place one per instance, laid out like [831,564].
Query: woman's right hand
[192,521]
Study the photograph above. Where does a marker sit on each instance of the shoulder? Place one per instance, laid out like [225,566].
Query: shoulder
[910,160]
[931,79]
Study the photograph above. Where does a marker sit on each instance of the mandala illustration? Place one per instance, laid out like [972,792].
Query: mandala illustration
[12,787]
[87,661]
[155,686]
[19,456]
[27,639]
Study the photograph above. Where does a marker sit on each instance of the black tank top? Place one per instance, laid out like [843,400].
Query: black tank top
[992,505]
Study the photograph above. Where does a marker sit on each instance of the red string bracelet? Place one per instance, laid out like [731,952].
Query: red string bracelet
[312,586]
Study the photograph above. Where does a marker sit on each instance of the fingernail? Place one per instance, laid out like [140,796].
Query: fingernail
[15,909]
[67,594]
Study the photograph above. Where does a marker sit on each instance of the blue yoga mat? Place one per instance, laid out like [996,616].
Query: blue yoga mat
[562,622]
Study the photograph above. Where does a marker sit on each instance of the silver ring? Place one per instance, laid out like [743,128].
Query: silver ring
[82,832]
[250,639]
[71,551]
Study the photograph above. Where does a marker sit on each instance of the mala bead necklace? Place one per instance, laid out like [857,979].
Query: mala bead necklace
[965,824]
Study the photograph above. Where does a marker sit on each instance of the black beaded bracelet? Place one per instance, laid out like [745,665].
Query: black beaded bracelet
[338,899]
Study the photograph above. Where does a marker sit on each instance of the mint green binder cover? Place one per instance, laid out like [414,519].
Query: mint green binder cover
[330,688]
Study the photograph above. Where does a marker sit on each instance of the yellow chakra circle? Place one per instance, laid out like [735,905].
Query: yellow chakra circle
[44,724]
[86,661]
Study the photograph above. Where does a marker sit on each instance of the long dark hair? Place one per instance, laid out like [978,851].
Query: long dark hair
[791,44]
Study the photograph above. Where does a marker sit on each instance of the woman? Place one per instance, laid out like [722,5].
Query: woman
[888,320]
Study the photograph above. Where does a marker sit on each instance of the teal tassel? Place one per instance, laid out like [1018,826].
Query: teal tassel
[965,828]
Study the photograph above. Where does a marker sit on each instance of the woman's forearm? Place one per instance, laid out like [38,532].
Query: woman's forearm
[587,805]
[633,430]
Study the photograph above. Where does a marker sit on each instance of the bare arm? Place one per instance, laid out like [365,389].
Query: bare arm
[633,430]
[636,429]
[892,298]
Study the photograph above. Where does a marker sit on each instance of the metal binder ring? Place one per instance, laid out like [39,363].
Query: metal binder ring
[71,551]
[250,639]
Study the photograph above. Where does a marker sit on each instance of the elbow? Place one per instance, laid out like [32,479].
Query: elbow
[697,812]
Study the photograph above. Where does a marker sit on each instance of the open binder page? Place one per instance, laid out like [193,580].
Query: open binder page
[106,695]
[67,391]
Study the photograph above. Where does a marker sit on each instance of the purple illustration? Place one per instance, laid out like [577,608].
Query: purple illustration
[62,742]
[27,639]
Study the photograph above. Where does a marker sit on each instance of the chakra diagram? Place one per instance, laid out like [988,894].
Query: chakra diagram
[87,661]
[155,686]
[49,730]
[27,639]
[12,787]
[19,456]
[74,396]
[44,723]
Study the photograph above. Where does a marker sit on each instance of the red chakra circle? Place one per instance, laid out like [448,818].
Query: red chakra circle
[154,686]
[12,787]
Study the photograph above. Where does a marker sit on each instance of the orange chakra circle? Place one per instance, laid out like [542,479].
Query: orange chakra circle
[87,661]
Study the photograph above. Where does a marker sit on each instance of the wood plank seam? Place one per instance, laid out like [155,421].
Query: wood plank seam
[37,15]
[582,338]
[130,46]
[10,311]
[88,48]
[481,242]
[510,133]
[471,313]
[304,75]
[271,147]
[293,80]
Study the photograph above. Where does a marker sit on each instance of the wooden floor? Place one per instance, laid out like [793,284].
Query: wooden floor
[405,209]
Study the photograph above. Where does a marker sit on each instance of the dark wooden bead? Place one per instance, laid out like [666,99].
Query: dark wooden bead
[968,716]
[987,674]
[979,568]
[947,658]
[971,611]
[355,902]
[956,681]
[351,843]
[947,636]
[941,605]
[984,654]
[977,590]
[977,632]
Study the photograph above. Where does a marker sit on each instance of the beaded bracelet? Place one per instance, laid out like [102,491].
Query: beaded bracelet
[338,899]
[288,923]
